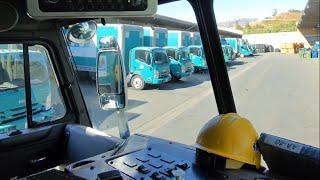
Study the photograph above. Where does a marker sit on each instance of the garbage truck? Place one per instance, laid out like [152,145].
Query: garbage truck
[240,47]
[155,36]
[197,57]
[148,65]
[229,54]
[71,147]
[180,63]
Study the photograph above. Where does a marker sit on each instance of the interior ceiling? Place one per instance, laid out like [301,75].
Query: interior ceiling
[311,18]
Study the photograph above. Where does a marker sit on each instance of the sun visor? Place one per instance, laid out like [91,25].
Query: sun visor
[62,9]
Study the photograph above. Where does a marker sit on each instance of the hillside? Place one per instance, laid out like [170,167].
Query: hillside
[284,22]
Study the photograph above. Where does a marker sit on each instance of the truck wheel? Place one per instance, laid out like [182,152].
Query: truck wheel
[137,82]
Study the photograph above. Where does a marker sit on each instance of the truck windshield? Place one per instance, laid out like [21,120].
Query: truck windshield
[11,70]
[183,53]
[160,57]
[195,51]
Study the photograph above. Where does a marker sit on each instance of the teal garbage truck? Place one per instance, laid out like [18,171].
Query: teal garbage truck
[148,65]
[228,52]
[198,59]
[240,47]
[155,37]
[180,63]
[12,89]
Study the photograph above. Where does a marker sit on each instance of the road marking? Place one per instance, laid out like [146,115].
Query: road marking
[152,125]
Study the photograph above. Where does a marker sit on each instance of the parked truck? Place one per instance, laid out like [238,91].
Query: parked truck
[180,63]
[240,47]
[148,65]
[179,38]
[155,37]
[197,57]
[12,89]
[229,54]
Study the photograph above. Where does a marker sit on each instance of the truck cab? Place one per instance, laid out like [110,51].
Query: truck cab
[197,57]
[148,65]
[240,47]
[180,63]
[230,55]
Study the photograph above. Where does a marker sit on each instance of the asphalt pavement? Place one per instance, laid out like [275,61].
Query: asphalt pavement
[278,93]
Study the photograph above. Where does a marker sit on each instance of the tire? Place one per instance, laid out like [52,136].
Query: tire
[137,82]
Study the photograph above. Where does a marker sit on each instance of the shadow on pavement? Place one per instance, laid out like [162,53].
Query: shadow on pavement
[194,80]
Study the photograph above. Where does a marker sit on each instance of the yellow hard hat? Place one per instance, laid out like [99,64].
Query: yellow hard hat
[232,137]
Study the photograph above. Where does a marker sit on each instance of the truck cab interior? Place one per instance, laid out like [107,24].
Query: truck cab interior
[69,148]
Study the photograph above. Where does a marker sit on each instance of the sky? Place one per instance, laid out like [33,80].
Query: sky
[232,9]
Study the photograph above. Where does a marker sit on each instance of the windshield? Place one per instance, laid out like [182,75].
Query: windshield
[160,57]
[196,51]
[276,86]
[183,53]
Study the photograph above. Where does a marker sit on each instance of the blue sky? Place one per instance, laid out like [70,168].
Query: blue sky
[232,9]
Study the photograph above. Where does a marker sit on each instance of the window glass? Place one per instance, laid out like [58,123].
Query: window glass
[195,51]
[143,56]
[160,57]
[171,53]
[45,94]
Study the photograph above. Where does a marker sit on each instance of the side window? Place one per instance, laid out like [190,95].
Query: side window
[47,104]
[143,56]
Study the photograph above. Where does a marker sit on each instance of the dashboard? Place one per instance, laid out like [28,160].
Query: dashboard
[144,157]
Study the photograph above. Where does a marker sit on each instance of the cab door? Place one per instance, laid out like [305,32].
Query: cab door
[142,65]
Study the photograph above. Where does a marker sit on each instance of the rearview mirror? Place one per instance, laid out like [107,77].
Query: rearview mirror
[82,32]
[111,84]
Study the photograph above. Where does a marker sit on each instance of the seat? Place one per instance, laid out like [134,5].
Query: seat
[84,142]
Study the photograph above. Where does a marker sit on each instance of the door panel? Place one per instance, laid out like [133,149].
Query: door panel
[31,151]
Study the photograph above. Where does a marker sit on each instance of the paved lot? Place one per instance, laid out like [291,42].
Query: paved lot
[278,93]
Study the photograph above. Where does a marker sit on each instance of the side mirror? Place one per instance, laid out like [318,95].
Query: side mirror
[111,83]
[82,32]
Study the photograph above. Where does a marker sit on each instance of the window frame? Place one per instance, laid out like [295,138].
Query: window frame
[51,59]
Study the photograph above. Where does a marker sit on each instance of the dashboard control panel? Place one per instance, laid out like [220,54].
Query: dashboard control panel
[152,164]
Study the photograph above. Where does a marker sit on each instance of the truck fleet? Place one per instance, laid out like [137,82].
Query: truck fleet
[138,46]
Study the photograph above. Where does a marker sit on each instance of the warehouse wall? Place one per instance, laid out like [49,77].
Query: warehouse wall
[275,39]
